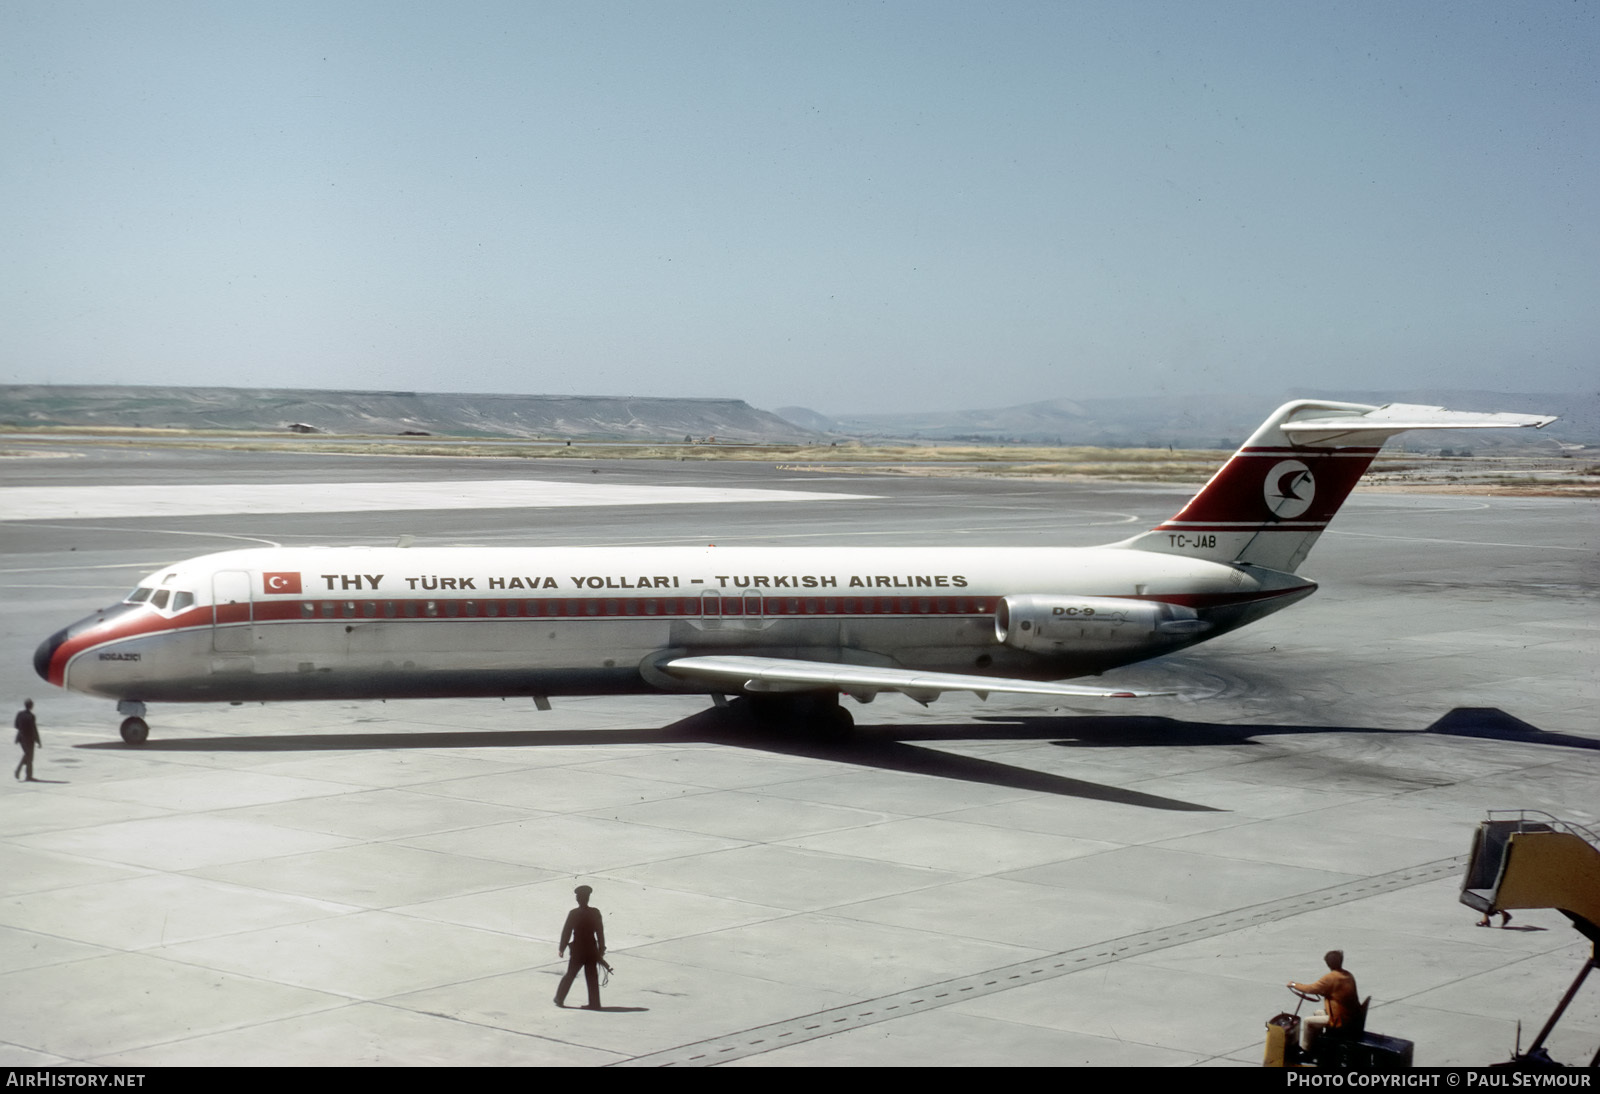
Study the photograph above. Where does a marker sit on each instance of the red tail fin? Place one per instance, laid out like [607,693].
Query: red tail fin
[1272,499]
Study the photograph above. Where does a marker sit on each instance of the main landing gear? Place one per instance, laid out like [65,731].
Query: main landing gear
[820,713]
[135,730]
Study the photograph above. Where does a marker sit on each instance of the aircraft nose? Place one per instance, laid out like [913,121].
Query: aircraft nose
[46,653]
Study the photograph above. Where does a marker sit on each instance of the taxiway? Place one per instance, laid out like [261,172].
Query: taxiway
[997,883]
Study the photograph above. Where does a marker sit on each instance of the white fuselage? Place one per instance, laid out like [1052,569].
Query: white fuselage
[308,623]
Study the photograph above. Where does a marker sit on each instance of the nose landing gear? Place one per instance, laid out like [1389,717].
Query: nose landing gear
[135,730]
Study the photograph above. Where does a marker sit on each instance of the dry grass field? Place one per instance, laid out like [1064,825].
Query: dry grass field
[1399,471]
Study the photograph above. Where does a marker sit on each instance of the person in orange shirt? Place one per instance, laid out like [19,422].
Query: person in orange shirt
[1341,1005]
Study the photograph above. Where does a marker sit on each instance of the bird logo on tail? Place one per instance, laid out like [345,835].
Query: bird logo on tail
[1289,489]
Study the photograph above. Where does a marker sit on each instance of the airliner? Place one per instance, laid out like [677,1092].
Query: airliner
[790,629]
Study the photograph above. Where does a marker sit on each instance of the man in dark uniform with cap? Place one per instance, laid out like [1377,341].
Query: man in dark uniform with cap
[586,934]
[27,727]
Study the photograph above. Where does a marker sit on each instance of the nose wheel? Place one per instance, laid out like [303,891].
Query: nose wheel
[135,731]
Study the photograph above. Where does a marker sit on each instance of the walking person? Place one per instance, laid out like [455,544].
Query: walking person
[585,933]
[27,727]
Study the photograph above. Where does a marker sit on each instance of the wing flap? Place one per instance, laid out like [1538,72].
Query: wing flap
[777,674]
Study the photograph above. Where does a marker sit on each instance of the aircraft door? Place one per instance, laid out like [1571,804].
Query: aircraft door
[710,611]
[232,619]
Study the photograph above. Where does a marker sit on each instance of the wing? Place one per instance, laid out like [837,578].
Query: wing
[777,674]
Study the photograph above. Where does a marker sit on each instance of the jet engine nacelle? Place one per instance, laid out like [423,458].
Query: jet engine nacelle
[1061,624]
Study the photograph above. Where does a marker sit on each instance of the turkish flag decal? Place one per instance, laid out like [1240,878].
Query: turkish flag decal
[280,583]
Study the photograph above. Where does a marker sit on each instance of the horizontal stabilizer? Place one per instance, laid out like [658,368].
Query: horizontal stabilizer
[1377,425]
[776,674]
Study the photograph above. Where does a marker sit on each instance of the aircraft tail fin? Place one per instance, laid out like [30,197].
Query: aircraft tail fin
[1271,501]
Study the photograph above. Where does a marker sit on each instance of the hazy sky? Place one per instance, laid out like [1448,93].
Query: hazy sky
[850,206]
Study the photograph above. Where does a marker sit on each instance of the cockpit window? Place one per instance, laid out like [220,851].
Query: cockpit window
[163,600]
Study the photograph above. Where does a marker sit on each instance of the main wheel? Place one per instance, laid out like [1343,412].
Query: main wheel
[817,714]
[135,731]
[837,720]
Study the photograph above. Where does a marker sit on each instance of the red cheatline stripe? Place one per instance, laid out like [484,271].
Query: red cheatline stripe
[119,631]
[590,607]
[1243,525]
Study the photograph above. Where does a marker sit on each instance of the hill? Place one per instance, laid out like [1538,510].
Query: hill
[589,417]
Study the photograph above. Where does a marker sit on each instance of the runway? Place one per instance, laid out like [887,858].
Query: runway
[984,884]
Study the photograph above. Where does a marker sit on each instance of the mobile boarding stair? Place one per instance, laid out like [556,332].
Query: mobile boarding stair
[1522,858]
